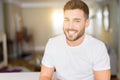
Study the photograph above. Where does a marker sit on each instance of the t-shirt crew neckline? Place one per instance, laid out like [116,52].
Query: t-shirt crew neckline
[84,40]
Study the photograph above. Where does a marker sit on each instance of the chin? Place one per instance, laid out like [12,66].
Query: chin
[71,38]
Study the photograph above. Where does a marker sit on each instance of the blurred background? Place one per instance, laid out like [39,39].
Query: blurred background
[28,24]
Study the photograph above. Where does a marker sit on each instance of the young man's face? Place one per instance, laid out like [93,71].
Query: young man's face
[74,24]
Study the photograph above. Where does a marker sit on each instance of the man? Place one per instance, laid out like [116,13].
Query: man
[75,55]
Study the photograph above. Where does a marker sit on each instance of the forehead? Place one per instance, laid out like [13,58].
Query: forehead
[74,13]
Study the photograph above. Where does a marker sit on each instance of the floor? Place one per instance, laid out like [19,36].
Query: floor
[22,63]
[31,62]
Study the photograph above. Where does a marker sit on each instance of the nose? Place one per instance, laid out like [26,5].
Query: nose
[70,26]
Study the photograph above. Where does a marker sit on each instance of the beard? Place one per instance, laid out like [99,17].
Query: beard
[73,35]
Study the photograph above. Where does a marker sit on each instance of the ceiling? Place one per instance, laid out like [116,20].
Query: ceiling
[27,1]
[40,0]
[91,3]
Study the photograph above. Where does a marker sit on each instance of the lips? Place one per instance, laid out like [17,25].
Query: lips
[71,32]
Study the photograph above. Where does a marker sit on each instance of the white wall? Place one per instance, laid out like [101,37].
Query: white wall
[11,10]
[39,22]
[118,21]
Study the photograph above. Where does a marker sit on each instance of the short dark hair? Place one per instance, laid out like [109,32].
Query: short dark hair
[77,4]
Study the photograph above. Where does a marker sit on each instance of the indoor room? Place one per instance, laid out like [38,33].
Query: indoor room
[27,25]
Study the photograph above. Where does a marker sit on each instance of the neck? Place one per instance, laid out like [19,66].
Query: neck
[77,42]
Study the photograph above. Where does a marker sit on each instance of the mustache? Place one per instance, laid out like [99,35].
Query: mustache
[72,30]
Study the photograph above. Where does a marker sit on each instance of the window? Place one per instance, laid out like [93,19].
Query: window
[106,18]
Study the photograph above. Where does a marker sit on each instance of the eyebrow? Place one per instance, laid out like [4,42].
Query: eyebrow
[77,19]
[65,18]
[73,18]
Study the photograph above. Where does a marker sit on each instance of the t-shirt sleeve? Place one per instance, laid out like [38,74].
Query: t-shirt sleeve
[47,59]
[101,60]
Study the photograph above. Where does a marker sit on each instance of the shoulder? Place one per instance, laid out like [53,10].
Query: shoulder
[99,50]
[94,41]
[54,43]
[56,39]
[97,46]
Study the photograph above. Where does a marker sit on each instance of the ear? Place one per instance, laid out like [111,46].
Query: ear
[87,23]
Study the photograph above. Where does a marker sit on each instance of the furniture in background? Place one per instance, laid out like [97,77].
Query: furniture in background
[3,53]
[4,65]
[22,37]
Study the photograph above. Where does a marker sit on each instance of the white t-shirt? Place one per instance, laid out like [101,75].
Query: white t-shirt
[76,63]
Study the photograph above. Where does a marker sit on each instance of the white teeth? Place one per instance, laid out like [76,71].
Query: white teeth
[71,32]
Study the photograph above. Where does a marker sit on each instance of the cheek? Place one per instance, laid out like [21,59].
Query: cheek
[80,25]
[77,27]
[65,25]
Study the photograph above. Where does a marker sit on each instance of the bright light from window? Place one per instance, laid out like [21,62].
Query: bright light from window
[57,18]
[106,18]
